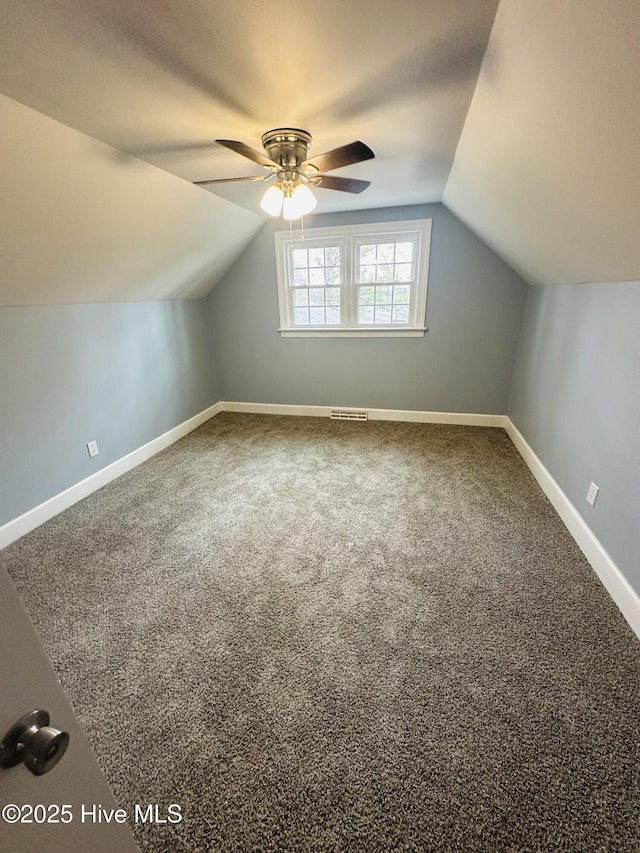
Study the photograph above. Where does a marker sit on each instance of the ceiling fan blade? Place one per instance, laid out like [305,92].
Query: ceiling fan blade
[345,185]
[355,152]
[246,151]
[230,180]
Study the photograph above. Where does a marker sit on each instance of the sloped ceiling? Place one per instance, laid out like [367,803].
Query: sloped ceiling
[161,80]
[547,169]
[81,222]
[534,143]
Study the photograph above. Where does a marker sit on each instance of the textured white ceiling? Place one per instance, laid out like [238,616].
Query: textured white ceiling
[547,171]
[162,79]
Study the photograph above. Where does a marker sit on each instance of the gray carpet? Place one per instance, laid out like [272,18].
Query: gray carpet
[326,636]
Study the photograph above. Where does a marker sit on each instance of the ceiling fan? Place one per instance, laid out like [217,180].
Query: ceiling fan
[286,160]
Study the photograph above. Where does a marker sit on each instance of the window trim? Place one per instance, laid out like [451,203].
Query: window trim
[350,237]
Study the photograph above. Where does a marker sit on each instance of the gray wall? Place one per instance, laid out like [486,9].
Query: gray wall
[120,373]
[464,363]
[576,400]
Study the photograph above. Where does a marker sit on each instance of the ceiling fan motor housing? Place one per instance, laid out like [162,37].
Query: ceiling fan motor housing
[287,146]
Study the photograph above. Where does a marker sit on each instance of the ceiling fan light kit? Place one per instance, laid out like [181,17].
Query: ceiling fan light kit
[286,158]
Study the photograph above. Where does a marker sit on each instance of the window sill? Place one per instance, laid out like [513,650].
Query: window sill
[354,333]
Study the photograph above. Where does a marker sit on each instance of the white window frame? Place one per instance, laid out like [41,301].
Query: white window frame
[350,237]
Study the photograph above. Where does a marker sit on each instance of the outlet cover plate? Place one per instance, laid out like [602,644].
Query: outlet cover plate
[592,494]
[92,447]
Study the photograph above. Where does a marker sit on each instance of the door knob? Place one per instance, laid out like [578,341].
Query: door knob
[33,741]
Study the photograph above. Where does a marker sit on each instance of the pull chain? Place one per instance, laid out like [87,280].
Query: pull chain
[301,228]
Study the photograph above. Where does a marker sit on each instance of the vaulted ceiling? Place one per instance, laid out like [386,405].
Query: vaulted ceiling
[547,169]
[161,80]
[524,117]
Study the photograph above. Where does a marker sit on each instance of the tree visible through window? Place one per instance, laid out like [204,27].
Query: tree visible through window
[365,278]
[316,283]
[385,275]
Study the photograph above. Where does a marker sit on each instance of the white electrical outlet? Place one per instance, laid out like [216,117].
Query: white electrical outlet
[592,494]
[92,447]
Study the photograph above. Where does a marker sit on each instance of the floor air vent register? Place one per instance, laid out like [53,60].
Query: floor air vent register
[348,415]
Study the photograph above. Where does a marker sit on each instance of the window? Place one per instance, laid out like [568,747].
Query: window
[357,280]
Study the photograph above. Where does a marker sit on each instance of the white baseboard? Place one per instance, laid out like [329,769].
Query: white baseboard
[610,575]
[16,528]
[374,414]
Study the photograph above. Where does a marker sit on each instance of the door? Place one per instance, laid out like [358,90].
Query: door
[28,682]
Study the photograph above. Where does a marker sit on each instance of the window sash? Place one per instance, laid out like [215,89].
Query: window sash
[390,289]
[309,245]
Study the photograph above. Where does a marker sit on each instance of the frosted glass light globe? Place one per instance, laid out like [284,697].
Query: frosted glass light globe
[272,201]
[301,202]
